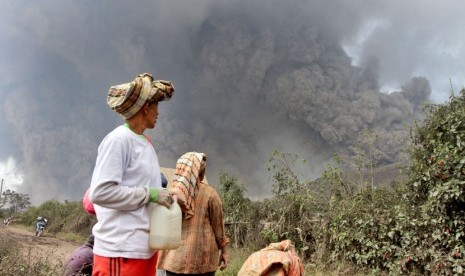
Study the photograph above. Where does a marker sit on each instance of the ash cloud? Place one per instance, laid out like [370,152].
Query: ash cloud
[250,77]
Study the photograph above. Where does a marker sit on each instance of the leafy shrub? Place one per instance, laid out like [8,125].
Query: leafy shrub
[364,229]
[67,216]
[236,208]
[297,211]
[420,227]
[437,188]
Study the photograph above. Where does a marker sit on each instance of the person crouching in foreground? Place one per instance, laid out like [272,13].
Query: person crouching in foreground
[203,247]
[126,178]
[79,261]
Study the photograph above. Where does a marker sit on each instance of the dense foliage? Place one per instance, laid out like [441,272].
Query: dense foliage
[437,189]
[12,202]
[415,225]
[67,217]
[420,226]
[239,207]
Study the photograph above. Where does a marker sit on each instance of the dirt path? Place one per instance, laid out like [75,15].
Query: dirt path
[40,248]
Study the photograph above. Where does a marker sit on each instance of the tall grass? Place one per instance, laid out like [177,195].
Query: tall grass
[15,260]
[236,258]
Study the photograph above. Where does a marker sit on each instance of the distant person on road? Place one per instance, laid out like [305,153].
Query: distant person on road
[79,262]
[8,220]
[41,221]
[126,178]
[203,247]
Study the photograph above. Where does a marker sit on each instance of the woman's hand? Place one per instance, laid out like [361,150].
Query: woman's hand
[165,198]
[178,198]
[223,259]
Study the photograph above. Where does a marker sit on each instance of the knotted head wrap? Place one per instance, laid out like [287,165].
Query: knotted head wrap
[128,98]
[186,179]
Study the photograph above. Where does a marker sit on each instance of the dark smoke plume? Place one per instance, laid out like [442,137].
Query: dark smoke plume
[250,77]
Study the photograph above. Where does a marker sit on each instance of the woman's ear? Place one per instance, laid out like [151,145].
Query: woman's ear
[145,107]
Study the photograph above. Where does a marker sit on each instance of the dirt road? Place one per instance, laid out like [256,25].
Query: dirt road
[40,248]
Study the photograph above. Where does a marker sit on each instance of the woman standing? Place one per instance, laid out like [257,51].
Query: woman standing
[126,178]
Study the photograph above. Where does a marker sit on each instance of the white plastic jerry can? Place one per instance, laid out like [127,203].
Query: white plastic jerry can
[165,227]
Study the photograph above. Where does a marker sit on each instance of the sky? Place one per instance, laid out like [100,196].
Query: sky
[251,77]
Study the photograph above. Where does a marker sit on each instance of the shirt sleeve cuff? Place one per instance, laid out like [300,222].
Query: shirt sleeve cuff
[153,195]
[224,242]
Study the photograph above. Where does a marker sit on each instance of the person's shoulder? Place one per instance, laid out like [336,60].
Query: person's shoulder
[204,186]
[208,189]
[121,134]
[119,131]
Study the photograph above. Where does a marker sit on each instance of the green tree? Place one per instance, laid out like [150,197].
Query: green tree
[295,212]
[437,188]
[360,216]
[419,227]
[14,201]
[235,206]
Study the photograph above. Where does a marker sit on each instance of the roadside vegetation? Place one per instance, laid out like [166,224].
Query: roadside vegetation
[16,259]
[343,222]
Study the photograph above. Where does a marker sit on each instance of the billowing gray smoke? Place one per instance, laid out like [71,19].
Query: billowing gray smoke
[250,78]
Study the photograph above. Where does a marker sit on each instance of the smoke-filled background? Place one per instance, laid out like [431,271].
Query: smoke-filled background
[251,77]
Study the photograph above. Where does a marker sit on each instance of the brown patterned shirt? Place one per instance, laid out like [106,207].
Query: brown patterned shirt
[202,237]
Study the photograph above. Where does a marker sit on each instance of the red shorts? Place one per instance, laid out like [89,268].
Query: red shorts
[105,266]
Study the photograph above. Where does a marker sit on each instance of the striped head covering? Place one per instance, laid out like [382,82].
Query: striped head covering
[128,98]
[186,179]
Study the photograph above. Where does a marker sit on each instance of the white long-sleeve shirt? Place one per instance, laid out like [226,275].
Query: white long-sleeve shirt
[126,167]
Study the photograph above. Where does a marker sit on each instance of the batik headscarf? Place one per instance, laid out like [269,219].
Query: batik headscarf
[128,98]
[186,180]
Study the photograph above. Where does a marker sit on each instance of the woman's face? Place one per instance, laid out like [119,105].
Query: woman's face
[152,114]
